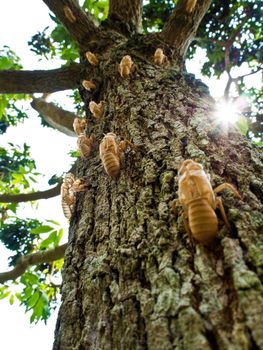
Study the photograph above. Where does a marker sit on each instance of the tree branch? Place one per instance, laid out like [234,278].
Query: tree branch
[236,80]
[228,85]
[57,117]
[127,14]
[40,257]
[26,197]
[214,41]
[258,69]
[78,23]
[181,27]
[29,82]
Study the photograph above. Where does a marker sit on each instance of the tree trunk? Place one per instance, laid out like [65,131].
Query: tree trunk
[132,279]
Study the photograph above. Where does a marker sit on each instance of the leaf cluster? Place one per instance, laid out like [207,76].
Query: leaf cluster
[16,167]
[155,14]
[234,25]
[39,293]
[16,236]
[10,113]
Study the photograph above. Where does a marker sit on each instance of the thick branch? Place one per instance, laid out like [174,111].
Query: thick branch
[127,14]
[29,82]
[33,259]
[181,27]
[57,117]
[78,23]
[26,197]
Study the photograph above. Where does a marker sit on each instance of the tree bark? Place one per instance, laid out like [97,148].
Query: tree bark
[181,27]
[127,15]
[55,116]
[29,82]
[78,23]
[132,279]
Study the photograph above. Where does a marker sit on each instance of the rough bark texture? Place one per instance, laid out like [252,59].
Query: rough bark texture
[78,23]
[181,27]
[131,278]
[126,15]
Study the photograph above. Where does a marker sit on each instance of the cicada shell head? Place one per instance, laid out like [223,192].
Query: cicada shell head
[80,185]
[85,145]
[159,57]
[88,85]
[69,14]
[126,66]
[79,125]
[97,109]
[92,58]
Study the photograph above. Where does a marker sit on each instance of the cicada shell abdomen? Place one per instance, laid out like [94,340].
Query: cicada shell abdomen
[109,155]
[203,221]
[111,164]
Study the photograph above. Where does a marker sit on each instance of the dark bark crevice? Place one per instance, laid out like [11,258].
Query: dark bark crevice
[212,339]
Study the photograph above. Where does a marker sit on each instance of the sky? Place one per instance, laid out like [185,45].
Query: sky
[19,21]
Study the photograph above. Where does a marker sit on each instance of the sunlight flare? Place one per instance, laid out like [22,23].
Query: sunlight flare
[227,112]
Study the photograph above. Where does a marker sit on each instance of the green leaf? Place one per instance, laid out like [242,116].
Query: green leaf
[58,237]
[32,179]
[4,292]
[31,302]
[41,309]
[41,229]
[48,241]
[28,292]
[12,299]
[54,222]
[19,297]
[29,278]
